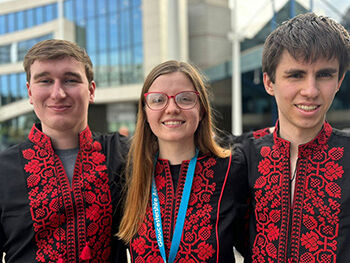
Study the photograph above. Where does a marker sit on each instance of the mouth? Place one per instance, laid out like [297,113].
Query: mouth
[172,123]
[59,107]
[307,107]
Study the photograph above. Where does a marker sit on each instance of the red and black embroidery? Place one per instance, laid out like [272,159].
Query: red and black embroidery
[261,133]
[198,243]
[66,218]
[315,215]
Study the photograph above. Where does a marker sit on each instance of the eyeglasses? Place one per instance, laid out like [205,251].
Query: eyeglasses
[185,100]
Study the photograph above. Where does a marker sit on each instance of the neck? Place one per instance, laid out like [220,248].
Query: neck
[175,152]
[62,140]
[297,137]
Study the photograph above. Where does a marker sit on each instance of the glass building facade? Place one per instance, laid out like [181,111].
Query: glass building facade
[109,30]
[259,109]
[24,19]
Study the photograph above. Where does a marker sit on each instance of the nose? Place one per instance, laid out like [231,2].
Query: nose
[310,88]
[172,107]
[58,91]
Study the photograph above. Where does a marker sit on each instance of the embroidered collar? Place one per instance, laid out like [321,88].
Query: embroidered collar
[313,146]
[43,141]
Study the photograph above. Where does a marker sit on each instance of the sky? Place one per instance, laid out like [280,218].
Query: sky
[253,14]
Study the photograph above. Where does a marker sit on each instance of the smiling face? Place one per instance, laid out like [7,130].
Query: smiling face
[172,124]
[60,93]
[303,93]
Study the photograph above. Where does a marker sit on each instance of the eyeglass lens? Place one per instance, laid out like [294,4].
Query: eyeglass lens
[184,100]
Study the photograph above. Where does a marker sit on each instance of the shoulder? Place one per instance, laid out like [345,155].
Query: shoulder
[12,153]
[112,142]
[340,138]
[341,133]
[12,163]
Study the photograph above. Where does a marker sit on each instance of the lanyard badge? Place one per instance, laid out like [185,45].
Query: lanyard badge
[180,220]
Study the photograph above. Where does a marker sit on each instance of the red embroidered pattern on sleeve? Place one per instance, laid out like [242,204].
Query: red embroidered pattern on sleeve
[315,224]
[198,242]
[261,133]
[55,221]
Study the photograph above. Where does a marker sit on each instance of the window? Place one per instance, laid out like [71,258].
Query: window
[5,54]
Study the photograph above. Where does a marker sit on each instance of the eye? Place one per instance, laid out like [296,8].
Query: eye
[71,81]
[156,98]
[296,75]
[186,97]
[45,81]
[324,75]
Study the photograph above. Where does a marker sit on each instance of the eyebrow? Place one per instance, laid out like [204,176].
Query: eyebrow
[73,74]
[66,74]
[300,71]
[328,70]
[39,75]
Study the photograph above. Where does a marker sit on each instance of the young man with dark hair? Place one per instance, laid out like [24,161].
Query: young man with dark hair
[60,188]
[299,176]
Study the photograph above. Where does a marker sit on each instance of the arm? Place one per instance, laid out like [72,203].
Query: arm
[241,196]
[2,241]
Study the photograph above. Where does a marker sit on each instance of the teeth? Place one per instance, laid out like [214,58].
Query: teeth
[172,122]
[307,108]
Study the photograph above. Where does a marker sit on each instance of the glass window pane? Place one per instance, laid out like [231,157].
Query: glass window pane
[112,6]
[2,25]
[5,54]
[102,7]
[68,10]
[91,36]
[79,8]
[30,18]
[11,22]
[22,85]
[39,15]
[113,32]
[20,19]
[137,24]
[3,89]
[49,12]
[54,11]
[91,8]
[13,86]
[102,33]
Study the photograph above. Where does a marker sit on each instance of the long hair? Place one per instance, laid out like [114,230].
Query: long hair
[139,167]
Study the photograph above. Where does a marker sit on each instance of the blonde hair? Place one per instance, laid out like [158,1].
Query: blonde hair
[139,167]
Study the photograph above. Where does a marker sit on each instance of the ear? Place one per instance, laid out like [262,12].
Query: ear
[29,93]
[92,88]
[268,84]
[340,82]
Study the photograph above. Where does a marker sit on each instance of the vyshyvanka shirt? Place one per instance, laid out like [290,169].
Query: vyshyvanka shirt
[45,219]
[214,215]
[316,227]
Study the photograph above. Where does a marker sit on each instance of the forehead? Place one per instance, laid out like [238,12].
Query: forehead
[57,66]
[172,83]
[287,61]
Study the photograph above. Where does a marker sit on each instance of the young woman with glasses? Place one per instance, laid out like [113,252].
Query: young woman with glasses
[184,201]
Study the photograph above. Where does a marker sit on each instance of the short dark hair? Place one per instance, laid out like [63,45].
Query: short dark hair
[57,49]
[307,37]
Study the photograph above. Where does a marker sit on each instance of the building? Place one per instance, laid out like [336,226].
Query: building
[125,39]
[258,108]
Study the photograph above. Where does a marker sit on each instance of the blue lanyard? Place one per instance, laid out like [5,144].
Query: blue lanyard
[175,242]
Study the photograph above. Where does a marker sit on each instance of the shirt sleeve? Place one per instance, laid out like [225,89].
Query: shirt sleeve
[239,170]
[2,242]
